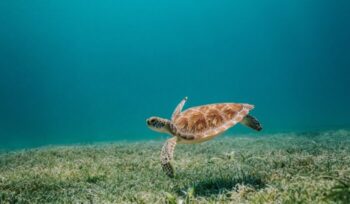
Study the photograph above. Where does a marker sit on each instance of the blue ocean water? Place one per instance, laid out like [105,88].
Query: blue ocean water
[86,71]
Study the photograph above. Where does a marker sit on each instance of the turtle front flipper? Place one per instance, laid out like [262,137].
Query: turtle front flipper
[178,109]
[167,155]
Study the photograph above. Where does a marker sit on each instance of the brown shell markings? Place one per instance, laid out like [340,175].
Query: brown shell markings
[211,119]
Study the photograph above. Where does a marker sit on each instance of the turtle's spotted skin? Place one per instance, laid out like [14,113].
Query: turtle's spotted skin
[167,156]
[199,124]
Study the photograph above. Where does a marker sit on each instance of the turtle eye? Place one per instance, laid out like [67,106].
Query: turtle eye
[158,124]
[154,122]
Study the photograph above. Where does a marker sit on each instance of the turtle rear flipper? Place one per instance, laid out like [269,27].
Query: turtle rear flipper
[167,155]
[251,122]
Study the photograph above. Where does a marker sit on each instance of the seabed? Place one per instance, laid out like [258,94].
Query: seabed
[273,168]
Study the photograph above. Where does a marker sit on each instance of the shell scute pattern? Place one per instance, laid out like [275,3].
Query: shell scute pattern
[214,118]
[211,119]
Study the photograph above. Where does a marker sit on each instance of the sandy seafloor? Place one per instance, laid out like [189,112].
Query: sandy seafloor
[310,167]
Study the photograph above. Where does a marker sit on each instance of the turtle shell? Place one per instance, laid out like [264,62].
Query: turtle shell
[210,120]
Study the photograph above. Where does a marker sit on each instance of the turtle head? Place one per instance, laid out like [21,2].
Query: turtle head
[159,124]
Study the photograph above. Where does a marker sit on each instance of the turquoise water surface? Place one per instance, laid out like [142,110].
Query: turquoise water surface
[87,71]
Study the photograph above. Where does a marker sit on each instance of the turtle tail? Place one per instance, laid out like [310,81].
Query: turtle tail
[251,122]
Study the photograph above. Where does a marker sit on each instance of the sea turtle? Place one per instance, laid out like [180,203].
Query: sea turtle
[199,124]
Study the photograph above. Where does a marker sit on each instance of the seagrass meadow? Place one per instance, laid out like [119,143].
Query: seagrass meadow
[79,81]
[310,167]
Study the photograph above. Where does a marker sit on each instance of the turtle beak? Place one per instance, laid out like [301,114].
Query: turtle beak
[148,122]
